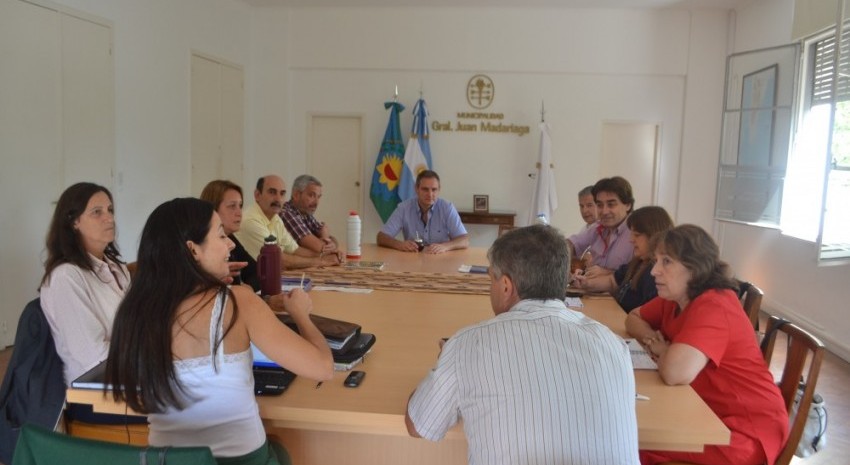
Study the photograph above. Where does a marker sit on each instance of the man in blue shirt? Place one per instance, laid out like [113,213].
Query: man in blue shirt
[434,221]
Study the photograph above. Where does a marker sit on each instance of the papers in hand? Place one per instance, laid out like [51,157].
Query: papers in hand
[289,283]
[641,359]
[472,269]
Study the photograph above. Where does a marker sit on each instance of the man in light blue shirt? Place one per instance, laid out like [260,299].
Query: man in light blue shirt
[434,221]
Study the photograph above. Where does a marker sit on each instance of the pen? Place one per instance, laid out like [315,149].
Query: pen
[318,385]
[302,281]
[637,396]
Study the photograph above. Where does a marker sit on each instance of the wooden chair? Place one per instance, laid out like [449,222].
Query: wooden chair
[802,364]
[751,297]
[803,350]
[131,267]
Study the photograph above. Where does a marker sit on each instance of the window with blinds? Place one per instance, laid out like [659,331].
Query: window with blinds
[830,90]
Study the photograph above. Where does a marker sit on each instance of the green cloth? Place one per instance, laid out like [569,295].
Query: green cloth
[270,453]
[40,446]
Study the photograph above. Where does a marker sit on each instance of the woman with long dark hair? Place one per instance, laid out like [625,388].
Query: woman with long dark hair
[632,284]
[699,335]
[180,347]
[84,277]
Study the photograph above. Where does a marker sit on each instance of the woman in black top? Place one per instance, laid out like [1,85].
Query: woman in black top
[226,198]
[632,284]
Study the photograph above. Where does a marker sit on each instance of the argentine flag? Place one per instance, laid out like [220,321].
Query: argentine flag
[417,157]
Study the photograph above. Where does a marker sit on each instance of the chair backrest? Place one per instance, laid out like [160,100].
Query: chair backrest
[751,297]
[39,446]
[804,350]
[33,389]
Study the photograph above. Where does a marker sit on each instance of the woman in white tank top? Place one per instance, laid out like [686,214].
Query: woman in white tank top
[184,338]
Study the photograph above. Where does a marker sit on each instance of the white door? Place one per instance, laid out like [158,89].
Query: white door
[206,122]
[56,128]
[335,158]
[217,122]
[630,150]
[232,123]
[30,146]
[88,135]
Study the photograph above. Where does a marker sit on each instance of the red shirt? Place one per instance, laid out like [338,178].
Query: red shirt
[735,383]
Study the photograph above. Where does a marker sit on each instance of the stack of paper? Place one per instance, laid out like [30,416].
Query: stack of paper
[641,360]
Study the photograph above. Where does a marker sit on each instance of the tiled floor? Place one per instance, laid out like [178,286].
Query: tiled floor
[833,385]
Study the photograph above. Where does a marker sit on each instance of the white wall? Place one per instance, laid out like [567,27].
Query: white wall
[348,61]
[153,40]
[786,268]
[589,65]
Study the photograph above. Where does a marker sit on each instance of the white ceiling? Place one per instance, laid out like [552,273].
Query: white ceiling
[722,4]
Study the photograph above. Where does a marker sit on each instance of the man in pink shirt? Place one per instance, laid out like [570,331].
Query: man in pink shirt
[607,241]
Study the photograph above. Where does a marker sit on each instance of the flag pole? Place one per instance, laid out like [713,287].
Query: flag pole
[395,95]
[542,112]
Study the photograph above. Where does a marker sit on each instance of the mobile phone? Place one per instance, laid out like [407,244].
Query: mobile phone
[354,379]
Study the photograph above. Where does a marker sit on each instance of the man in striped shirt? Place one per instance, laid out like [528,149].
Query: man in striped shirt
[538,383]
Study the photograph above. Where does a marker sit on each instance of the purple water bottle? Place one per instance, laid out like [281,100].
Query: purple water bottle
[268,267]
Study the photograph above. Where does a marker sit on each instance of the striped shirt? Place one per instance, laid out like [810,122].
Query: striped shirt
[539,384]
[299,224]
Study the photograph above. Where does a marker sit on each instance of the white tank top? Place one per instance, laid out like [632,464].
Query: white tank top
[221,410]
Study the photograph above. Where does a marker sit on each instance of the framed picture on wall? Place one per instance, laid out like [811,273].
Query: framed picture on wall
[480,203]
[758,96]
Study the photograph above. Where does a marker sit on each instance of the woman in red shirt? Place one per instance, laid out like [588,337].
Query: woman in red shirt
[700,335]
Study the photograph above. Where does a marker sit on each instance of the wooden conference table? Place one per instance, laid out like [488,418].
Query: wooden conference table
[334,424]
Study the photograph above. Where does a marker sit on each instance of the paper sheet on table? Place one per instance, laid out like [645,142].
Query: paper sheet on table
[574,302]
[473,269]
[640,357]
[350,290]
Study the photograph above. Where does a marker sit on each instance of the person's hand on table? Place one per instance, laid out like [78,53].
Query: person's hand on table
[408,246]
[330,259]
[329,246]
[596,271]
[656,345]
[436,248]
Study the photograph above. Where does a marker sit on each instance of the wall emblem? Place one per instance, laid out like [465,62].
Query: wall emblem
[480,91]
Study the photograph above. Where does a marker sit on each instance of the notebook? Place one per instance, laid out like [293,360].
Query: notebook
[269,378]
[92,379]
[339,334]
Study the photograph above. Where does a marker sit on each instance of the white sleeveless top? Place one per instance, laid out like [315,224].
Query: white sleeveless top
[221,410]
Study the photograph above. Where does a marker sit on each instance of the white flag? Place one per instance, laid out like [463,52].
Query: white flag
[545,197]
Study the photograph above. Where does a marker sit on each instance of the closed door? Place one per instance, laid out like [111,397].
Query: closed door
[217,116]
[630,150]
[335,158]
[88,135]
[56,128]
